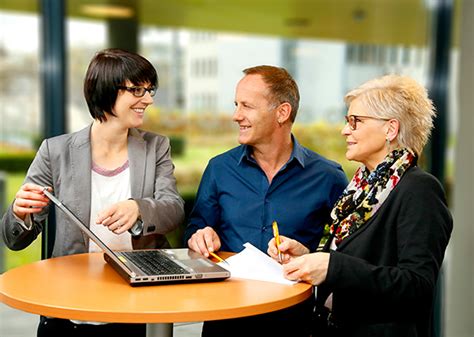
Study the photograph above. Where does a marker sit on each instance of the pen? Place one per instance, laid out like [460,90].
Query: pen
[277,239]
[218,257]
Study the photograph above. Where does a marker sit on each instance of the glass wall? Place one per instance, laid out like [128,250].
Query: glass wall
[199,71]
[20,113]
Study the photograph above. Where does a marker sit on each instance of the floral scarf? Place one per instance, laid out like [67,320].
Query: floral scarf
[366,193]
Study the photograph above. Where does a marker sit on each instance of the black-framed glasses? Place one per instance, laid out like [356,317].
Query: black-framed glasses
[139,91]
[353,119]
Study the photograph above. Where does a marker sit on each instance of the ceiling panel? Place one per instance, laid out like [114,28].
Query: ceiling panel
[364,21]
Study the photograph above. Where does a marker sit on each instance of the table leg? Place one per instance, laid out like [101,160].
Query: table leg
[159,330]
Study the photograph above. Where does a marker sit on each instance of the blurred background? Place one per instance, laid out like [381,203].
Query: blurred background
[200,47]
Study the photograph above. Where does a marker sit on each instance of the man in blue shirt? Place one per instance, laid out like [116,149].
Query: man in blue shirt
[269,177]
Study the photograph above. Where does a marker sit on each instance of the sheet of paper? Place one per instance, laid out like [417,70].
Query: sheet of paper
[252,263]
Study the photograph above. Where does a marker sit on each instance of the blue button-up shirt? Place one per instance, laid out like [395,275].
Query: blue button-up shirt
[236,199]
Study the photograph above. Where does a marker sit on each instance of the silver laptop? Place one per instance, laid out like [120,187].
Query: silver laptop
[152,266]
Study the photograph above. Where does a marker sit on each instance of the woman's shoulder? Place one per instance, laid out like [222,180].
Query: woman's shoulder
[145,134]
[77,138]
[420,184]
[416,176]
[149,137]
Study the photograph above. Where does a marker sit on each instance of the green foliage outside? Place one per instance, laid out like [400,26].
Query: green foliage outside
[16,162]
[326,139]
[33,252]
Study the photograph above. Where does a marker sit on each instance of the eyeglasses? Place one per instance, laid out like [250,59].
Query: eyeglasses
[139,91]
[353,119]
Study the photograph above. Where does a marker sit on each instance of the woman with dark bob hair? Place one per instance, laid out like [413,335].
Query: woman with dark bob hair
[116,178]
[377,271]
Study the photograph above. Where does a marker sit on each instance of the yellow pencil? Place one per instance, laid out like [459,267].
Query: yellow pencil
[218,257]
[276,235]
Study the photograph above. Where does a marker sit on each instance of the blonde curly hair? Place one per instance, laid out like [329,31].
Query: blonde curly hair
[401,98]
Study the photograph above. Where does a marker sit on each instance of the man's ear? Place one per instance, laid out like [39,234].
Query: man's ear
[393,129]
[283,112]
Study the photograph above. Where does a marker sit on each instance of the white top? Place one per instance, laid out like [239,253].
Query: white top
[109,187]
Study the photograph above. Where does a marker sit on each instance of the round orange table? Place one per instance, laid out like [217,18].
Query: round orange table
[85,287]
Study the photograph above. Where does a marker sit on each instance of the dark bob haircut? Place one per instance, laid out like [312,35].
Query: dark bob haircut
[109,69]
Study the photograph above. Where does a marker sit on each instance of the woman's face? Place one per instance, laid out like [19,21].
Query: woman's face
[129,109]
[367,143]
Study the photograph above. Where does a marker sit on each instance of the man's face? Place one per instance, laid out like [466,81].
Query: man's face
[255,115]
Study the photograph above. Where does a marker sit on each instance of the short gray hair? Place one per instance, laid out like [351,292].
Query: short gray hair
[281,85]
[401,98]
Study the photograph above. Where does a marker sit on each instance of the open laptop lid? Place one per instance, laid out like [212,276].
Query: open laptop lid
[89,233]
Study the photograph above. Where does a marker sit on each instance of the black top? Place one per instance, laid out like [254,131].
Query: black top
[383,277]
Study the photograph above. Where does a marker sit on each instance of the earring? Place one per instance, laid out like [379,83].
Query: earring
[387,143]
[279,122]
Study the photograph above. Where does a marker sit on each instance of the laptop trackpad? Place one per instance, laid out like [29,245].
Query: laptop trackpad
[199,264]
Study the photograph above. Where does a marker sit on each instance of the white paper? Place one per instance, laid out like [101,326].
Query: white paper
[252,263]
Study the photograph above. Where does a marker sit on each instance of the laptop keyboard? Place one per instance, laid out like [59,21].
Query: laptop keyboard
[154,262]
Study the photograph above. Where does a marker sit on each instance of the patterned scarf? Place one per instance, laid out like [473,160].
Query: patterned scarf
[366,193]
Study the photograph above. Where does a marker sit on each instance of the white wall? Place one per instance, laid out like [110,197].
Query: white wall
[320,76]
[236,53]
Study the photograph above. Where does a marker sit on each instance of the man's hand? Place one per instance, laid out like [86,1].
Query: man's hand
[204,241]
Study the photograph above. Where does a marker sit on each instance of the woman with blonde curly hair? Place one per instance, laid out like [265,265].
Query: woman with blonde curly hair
[377,270]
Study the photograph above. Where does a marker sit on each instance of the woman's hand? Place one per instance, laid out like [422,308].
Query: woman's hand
[120,216]
[310,268]
[289,249]
[29,199]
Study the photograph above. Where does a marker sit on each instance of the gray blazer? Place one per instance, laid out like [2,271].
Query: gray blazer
[64,162]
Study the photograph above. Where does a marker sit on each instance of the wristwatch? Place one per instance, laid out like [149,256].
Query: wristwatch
[137,228]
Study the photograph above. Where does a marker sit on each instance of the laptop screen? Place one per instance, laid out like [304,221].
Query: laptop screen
[88,232]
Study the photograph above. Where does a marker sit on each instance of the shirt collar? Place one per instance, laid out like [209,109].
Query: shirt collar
[297,154]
